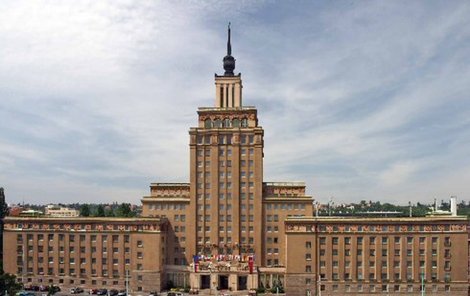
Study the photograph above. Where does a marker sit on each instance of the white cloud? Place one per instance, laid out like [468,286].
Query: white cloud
[397,173]
[100,95]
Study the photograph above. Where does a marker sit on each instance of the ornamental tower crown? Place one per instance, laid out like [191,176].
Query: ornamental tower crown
[228,87]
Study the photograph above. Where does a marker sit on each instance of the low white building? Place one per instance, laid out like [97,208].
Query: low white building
[58,211]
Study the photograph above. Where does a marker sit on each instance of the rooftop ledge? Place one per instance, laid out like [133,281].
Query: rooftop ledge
[169,184]
[280,184]
[81,219]
[226,108]
[375,219]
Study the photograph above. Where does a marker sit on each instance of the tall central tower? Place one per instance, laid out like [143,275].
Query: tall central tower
[226,173]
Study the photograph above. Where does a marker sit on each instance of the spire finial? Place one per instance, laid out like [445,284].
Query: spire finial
[229,61]
[229,46]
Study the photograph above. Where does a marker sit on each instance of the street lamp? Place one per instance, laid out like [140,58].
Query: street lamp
[319,285]
[422,283]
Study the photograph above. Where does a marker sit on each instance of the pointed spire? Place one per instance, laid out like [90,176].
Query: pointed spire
[229,61]
[229,46]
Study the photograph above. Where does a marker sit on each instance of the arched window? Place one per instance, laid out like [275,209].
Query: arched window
[218,123]
[227,122]
[208,123]
[244,122]
[236,122]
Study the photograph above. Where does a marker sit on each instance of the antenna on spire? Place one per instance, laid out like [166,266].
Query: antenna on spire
[229,46]
[229,61]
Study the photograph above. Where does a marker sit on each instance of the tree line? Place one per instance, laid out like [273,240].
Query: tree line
[113,210]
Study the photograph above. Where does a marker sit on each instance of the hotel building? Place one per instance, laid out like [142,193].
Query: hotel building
[228,229]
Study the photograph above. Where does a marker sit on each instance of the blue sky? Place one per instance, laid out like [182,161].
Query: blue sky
[359,99]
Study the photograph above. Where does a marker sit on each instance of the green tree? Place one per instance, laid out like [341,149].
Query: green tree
[8,282]
[3,214]
[85,210]
[3,204]
[124,210]
[108,212]
[100,211]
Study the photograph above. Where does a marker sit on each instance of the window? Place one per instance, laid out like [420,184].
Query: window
[447,242]
[447,254]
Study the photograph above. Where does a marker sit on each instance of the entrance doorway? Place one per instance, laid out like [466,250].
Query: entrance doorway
[242,283]
[223,282]
[205,282]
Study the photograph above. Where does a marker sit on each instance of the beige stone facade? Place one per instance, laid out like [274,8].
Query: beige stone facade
[86,252]
[393,256]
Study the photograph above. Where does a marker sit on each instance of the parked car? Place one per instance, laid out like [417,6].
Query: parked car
[122,293]
[174,294]
[102,292]
[25,293]
[93,291]
[113,292]
[76,290]
[153,293]
[43,288]
[31,288]
[27,288]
